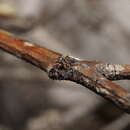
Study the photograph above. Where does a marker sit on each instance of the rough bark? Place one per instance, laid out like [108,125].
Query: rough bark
[94,75]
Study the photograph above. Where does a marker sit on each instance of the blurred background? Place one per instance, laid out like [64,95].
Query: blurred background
[87,29]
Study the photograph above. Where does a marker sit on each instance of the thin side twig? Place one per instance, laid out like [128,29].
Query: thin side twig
[91,74]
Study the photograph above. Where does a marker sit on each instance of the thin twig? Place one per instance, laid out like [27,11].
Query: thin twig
[91,74]
[111,71]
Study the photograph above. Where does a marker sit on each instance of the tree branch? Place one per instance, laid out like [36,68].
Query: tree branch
[111,71]
[91,74]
